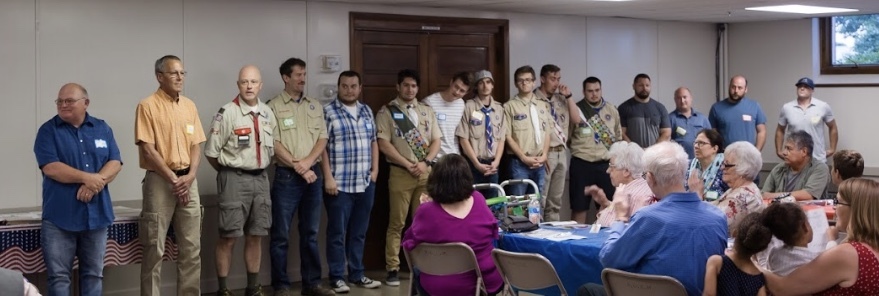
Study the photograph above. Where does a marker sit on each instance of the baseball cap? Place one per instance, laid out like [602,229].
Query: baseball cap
[483,74]
[806,81]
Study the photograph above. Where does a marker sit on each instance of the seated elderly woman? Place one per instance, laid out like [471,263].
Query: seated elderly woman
[851,268]
[454,212]
[626,170]
[741,164]
[708,149]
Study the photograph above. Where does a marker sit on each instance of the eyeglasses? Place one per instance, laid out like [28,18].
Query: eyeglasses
[526,80]
[700,143]
[64,102]
[836,203]
[176,74]
[727,165]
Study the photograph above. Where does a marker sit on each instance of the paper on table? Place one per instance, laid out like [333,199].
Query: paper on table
[559,223]
[565,236]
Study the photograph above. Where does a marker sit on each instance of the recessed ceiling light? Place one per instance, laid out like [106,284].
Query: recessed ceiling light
[804,9]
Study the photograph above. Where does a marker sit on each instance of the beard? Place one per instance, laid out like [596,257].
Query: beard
[642,95]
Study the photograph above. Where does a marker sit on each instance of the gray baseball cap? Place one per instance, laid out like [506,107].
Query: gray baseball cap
[483,74]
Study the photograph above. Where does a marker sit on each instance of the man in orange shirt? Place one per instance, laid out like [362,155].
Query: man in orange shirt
[169,134]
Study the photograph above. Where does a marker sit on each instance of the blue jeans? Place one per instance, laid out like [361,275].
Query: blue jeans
[480,178]
[59,248]
[518,170]
[347,221]
[291,192]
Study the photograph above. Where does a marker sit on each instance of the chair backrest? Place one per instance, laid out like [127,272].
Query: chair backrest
[526,271]
[618,282]
[444,259]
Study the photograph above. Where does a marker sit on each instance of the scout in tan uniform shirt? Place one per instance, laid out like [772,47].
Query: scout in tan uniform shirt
[300,138]
[590,143]
[556,95]
[409,167]
[482,133]
[169,134]
[240,147]
[528,127]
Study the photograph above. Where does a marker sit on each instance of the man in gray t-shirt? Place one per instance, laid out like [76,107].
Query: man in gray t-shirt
[644,120]
[810,115]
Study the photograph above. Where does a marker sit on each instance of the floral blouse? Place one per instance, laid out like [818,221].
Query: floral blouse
[738,202]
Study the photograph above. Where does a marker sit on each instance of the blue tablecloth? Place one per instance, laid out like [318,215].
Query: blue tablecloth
[576,261]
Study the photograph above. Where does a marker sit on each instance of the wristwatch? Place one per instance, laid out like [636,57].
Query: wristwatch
[429,162]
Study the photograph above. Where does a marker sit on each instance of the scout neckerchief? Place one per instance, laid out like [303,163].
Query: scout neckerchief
[600,131]
[410,132]
[555,119]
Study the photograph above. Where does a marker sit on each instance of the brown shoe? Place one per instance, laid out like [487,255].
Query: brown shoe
[317,290]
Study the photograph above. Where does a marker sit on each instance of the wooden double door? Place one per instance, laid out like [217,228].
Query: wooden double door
[435,47]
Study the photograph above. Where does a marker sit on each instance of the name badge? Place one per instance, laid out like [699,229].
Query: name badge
[288,122]
[369,127]
[441,116]
[746,117]
[398,116]
[100,143]
[475,122]
[711,195]
[595,228]
[190,129]
[244,141]
[681,131]
[585,131]
[477,115]
[520,116]
[243,134]
[816,119]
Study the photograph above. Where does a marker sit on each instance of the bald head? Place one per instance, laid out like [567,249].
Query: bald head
[738,87]
[71,103]
[683,100]
[249,84]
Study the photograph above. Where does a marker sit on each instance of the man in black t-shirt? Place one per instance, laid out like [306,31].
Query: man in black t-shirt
[644,120]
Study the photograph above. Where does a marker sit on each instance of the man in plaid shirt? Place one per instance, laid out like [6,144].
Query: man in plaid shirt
[350,168]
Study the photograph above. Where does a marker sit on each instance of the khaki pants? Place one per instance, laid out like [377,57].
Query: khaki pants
[160,208]
[557,166]
[405,192]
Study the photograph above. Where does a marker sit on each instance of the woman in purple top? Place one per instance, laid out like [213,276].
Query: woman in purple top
[454,212]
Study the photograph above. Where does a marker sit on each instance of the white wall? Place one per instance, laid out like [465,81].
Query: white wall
[774,55]
[110,46]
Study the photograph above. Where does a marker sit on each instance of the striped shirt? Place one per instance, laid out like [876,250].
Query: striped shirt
[349,145]
[448,115]
[637,193]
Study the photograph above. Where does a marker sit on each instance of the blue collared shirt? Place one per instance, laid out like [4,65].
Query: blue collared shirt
[87,149]
[684,130]
[737,121]
[672,237]
[349,145]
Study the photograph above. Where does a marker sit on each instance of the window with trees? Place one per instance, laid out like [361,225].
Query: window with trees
[850,44]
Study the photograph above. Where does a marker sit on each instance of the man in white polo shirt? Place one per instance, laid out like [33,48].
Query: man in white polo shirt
[449,108]
[807,114]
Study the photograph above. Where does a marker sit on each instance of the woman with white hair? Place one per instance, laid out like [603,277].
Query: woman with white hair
[741,164]
[626,170]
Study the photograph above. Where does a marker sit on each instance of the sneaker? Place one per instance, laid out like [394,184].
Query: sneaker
[317,290]
[368,283]
[339,286]
[283,292]
[393,279]
[253,291]
[225,292]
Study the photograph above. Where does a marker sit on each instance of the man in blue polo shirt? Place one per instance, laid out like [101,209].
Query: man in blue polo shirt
[738,118]
[78,156]
[686,122]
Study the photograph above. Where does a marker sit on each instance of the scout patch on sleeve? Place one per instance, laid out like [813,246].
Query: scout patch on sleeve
[219,116]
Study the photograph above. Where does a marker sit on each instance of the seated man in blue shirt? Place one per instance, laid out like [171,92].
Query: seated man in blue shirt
[673,237]
[78,156]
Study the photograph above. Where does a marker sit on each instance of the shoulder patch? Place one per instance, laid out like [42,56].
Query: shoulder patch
[219,116]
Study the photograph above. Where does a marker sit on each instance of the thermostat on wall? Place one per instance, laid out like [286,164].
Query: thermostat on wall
[331,63]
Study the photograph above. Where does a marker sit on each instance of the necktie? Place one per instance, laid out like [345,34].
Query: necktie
[488,132]
[413,114]
[535,122]
[257,141]
[558,129]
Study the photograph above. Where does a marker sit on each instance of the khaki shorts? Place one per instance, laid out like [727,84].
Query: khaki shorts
[245,204]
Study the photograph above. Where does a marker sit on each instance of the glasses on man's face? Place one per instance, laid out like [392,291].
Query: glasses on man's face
[727,165]
[526,80]
[700,144]
[65,102]
[176,74]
